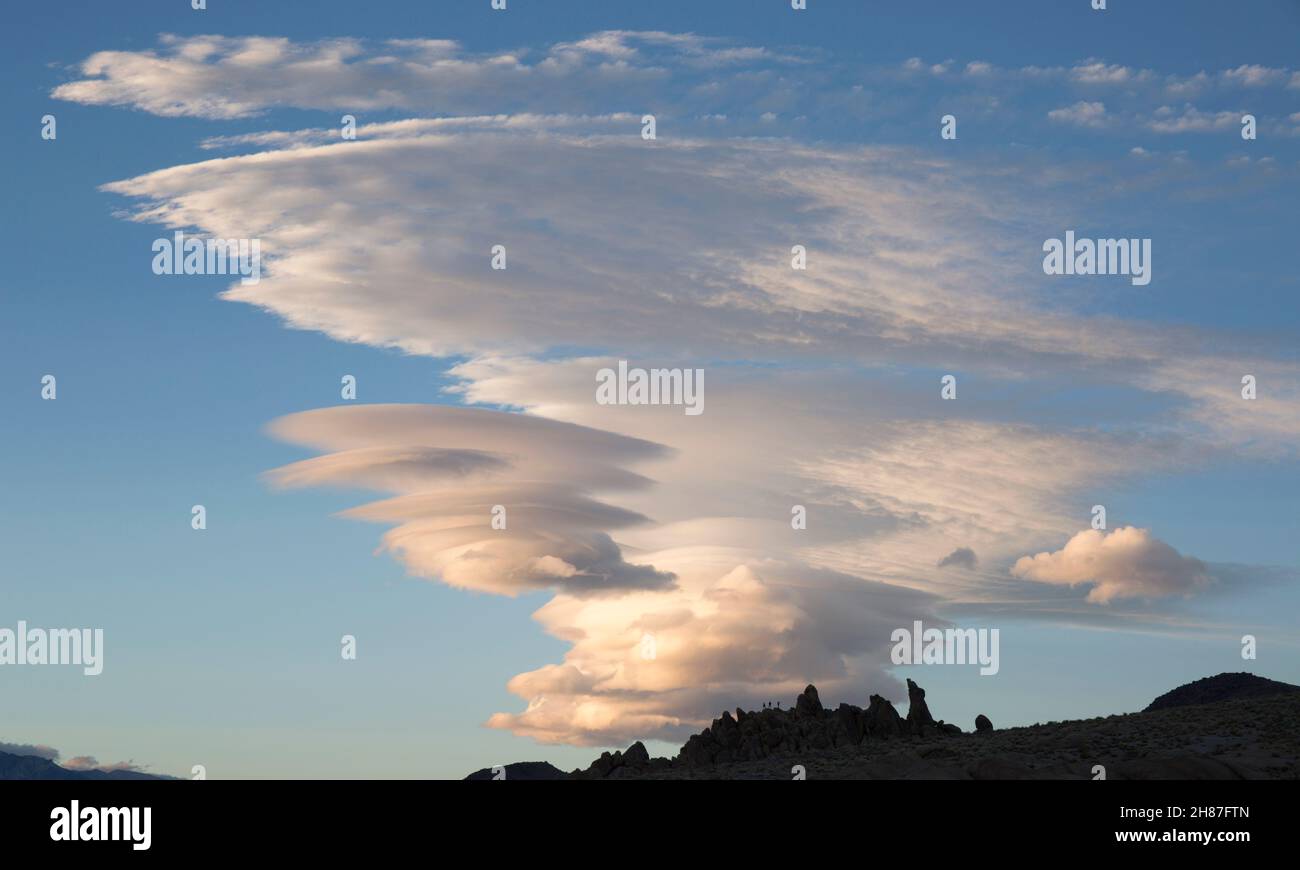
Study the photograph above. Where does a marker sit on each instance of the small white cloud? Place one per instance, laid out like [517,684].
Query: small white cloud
[1254,75]
[1187,86]
[1191,120]
[1097,72]
[1127,563]
[1081,114]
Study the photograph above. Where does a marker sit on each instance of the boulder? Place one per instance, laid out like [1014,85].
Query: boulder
[636,755]
[881,719]
[982,724]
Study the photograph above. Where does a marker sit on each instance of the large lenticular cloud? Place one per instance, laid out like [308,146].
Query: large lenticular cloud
[490,501]
[678,580]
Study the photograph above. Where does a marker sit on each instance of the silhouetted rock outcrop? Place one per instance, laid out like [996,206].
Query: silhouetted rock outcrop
[808,727]
[632,761]
[808,704]
[982,724]
[919,720]
[1221,687]
[881,719]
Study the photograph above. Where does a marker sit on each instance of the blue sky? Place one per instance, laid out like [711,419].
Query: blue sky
[222,646]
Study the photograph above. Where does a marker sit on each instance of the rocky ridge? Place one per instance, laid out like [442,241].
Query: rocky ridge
[808,727]
[1223,727]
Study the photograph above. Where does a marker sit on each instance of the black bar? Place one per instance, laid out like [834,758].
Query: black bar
[333,818]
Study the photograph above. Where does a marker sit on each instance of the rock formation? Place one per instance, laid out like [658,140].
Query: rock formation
[881,719]
[808,704]
[768,732]
[919,720]
[630,762]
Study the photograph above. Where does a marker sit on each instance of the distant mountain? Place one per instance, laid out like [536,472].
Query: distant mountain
[1222,687]
[522,770]
[34,767]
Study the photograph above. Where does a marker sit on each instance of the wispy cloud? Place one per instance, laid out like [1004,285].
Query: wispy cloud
[224,77]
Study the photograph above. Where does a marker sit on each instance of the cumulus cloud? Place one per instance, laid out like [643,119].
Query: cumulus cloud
[1081,114]
[1096,73]
[738,630]
[1126,563]
[1191,120]
[1099,72]
[1254,75]
[991,487]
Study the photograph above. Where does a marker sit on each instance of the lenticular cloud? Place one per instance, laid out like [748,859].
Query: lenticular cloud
[661,641]
[486,500]
[665,539]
